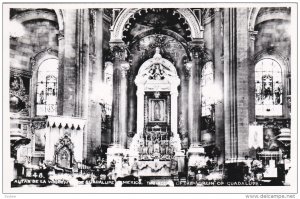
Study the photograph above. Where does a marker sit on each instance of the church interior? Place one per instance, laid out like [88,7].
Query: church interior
[163,95]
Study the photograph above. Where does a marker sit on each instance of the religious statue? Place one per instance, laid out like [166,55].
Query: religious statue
[156,147]
[163,148]
[42,97]
[150,147]
[135,168]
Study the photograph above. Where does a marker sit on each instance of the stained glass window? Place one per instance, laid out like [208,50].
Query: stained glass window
[207,81]
[268,88]
[46,95]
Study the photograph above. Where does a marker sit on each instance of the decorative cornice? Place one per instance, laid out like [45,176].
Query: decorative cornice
[252,34]
[64,141]
[127,14]
[197,50]
[66,122]
[36,125]
[60,35]
[20,72]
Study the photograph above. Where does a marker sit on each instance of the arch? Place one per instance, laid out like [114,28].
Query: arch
[56,16]
[267,13]
[60,19]
[155,60]
[252,18]
[46,87]
[157,74]
[275,55]
[36,61]
[118,26]
[268,88]
[255,16]
[41,56]
[35,14]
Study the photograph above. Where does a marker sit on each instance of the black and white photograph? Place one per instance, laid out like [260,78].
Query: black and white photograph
[175,97]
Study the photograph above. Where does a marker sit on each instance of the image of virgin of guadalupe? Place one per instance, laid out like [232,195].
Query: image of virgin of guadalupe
[157,111]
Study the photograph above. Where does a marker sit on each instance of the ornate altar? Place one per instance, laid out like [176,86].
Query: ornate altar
[64,154]
[157,145]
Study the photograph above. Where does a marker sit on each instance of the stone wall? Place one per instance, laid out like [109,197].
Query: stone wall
[39,35]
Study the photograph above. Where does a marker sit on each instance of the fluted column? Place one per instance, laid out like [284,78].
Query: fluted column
[230,112]
[236,83]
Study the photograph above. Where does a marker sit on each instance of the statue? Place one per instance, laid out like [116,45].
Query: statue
[150,147]
[163,148]
[135,168]
[156,147]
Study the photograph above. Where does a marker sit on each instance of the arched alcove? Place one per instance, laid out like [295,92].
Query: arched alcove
[157,75]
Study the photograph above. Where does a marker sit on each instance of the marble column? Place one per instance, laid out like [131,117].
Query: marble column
[230,111]
[184,106]
[194,101]
[123,104]
[198,56]
[93,138]
[119,106]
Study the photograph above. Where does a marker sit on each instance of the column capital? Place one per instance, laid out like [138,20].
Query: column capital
[217,9]
[60,35]
[188,69]
[124,68]
[252,34]
[197,49]
[119,50]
